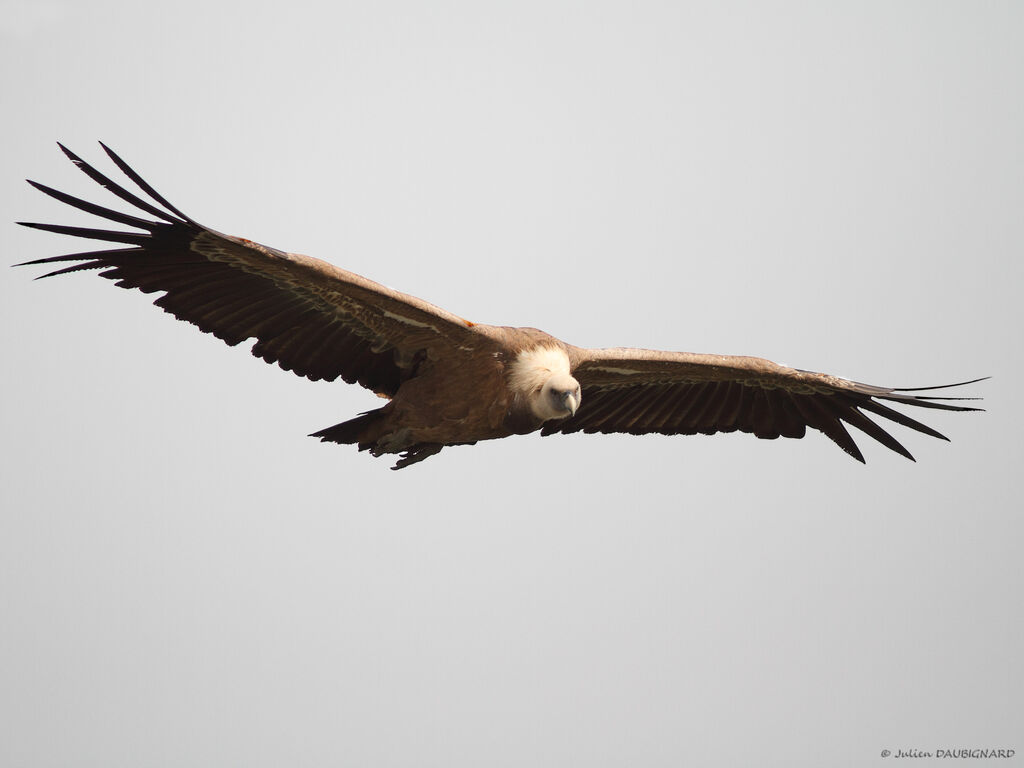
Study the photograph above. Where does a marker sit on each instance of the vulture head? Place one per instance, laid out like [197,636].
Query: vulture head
[542,376]
[559,397]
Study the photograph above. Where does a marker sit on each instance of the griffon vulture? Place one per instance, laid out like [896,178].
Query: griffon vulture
[450,381]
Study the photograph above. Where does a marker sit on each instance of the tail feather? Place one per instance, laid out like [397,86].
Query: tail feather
[351,431]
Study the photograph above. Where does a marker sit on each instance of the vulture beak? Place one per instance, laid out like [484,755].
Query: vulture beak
[571,403]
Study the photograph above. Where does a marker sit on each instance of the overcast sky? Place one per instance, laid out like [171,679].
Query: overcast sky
[187,579]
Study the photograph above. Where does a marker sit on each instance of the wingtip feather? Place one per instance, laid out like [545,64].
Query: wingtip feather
[69,154]
[942,386]
[144,185]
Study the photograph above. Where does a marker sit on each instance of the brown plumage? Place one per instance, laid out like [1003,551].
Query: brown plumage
[450,381]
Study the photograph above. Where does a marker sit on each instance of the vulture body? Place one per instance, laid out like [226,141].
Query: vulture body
[450,381]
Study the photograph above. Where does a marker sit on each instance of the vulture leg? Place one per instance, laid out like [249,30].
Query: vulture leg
[418,452]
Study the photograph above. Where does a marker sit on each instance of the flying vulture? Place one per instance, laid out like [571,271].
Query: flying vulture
[449,381]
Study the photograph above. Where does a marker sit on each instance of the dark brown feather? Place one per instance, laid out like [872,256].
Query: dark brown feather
[640,391]
[307,316]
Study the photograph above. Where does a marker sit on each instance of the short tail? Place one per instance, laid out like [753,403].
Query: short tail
[368,432]
[352,431]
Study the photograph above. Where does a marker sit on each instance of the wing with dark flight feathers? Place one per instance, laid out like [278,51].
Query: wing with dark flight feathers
[308,316]
[639,391]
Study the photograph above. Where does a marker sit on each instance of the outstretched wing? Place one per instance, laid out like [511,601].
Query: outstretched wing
[308,316]
[639,391]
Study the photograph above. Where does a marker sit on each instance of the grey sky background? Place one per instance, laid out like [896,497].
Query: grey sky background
[187,579]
